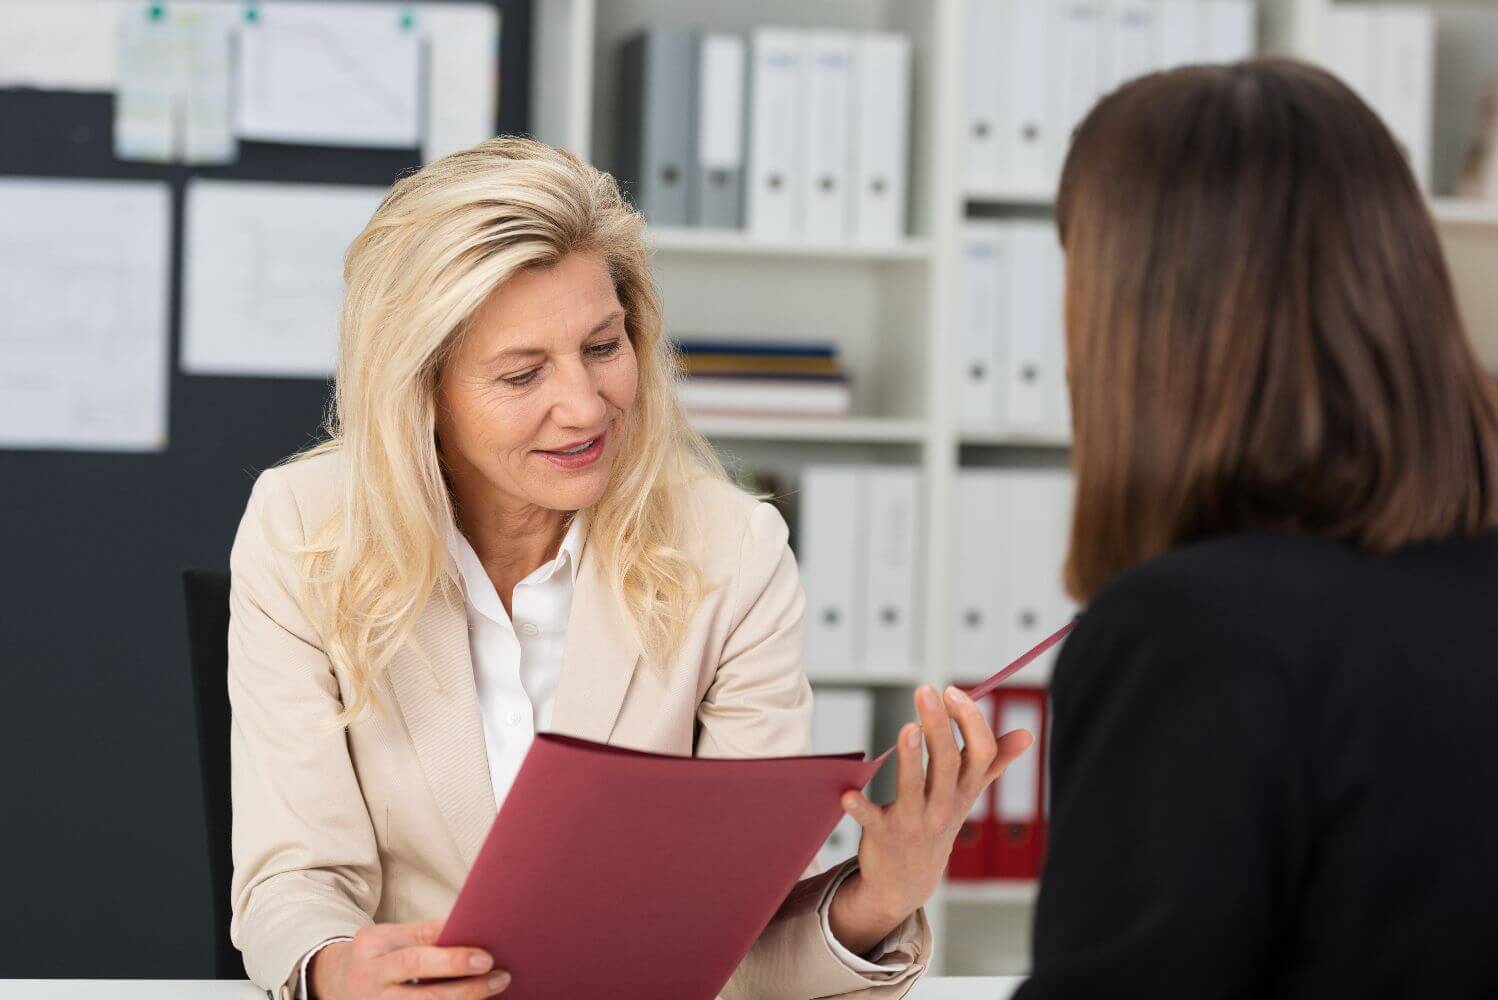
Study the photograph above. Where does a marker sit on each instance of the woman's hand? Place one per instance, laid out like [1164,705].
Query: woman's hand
[906,844]
[382,959]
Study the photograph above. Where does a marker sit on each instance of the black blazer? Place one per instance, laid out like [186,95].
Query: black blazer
[1274,775]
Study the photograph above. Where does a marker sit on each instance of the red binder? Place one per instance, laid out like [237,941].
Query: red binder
[1019,794]
[974,849]
[603,861]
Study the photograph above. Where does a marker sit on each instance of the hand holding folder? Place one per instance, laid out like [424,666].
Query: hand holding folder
[642,876]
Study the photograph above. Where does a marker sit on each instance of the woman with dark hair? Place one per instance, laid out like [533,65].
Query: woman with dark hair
[1271,766]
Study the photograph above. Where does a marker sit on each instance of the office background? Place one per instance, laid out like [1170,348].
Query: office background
[873,327]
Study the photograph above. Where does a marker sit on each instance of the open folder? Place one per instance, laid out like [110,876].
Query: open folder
[640,876]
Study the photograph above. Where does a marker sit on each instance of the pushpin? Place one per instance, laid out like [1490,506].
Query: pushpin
[157,12]
[251,13]
[408,19]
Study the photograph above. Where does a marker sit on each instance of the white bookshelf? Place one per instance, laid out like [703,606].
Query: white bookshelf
[890,308]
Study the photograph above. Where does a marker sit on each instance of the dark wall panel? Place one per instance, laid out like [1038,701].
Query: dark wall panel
[101,827]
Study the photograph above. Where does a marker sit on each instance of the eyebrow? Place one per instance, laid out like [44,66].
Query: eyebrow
[516,353]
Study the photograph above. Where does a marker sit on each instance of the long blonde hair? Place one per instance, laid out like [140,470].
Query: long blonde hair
[440,242]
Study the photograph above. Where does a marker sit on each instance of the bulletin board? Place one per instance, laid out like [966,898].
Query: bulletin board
[105,854]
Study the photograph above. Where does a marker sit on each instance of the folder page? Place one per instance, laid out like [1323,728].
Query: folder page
[696,850]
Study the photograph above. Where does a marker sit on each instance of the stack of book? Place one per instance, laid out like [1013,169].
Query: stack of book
[759,379]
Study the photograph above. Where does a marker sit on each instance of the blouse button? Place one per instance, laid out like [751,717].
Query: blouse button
[513,718]
[530,629]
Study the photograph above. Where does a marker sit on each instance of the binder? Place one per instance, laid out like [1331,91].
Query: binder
[1180,34]
[1027,121]
[881,126]
[984,80]
[827,135]
[1032,516]
[1080,68]
[978,628]
[1134,32]
[1404,50]
[981,314]
[831,554]
[1033,384]
[1230,32]
[655,120]
[842,721]
[776,91]
[889,577]
[1019,841]
[716,191]
[975,849]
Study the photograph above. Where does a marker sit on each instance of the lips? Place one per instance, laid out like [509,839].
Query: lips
[579,454]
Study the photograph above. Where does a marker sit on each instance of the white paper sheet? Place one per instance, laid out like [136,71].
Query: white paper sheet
[332,74]
[59,44]
[263,275]
[462,93]
[173,101]
[84,342]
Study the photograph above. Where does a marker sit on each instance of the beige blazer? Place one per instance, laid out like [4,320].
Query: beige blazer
[337,829]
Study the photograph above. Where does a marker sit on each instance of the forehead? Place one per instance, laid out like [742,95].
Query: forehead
[568,297]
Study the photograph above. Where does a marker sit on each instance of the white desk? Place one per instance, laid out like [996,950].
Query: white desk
[179,989]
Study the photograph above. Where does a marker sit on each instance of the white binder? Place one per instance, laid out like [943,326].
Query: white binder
[881,126]
[983,282]
[1180,33]
[1230,34]
[1026,119]
[1404,40]
[842,720]
[1033,518]
[977,629]
[984,79]
[717,188]
[826,134]
[1033,384]
[1080,69]
[1134,40]
[776,95]
[831,556]
[890,573]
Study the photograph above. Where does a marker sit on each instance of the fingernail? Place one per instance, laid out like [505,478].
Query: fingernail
[850,803]
[478,963]
[498,981]
[913,738]
[927,694]
[958,695]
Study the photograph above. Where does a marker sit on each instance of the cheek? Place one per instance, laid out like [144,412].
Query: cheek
[621,383]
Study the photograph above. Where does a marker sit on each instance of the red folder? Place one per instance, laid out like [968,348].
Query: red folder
[974,849]
[1019,794]
[640,876]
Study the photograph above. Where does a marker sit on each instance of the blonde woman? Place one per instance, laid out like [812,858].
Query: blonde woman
[512,530]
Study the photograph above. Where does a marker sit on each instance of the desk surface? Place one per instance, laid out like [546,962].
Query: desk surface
[179,989]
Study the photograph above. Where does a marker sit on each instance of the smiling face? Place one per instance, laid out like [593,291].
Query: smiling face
[532,402]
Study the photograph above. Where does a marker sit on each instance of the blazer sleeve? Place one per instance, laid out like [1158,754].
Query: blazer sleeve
[306,866]
[759,705]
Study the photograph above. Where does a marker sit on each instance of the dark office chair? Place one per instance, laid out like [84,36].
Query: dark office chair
[207,638]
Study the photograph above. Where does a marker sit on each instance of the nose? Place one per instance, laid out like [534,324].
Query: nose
[578,403]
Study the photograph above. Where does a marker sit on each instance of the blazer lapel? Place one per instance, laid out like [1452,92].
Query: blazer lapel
[600,658]
[440,706]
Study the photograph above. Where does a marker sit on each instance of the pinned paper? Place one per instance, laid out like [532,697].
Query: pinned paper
[462,92]
[84,341]
[174,83]
[59,44]
[331,74]
[263,275]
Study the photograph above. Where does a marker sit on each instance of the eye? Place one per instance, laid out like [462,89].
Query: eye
[605,350]
[524,378]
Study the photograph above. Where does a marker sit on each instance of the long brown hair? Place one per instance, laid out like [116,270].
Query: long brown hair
[1261,329]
